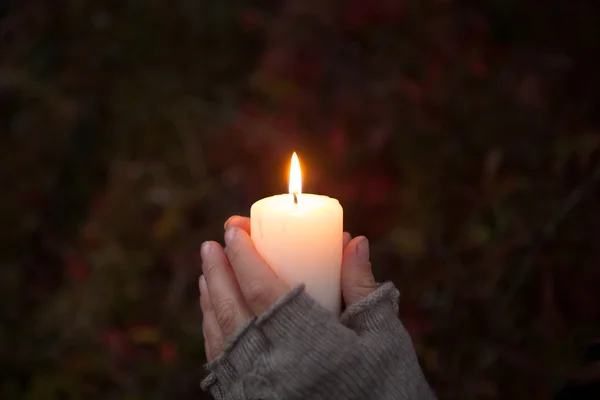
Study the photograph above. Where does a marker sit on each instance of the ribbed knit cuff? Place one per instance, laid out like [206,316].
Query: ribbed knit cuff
[299,350]
[242,349]
[299,318]
[376,313]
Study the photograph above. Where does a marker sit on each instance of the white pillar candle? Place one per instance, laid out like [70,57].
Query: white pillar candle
[301,237]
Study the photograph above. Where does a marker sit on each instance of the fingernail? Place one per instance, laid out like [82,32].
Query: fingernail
[202,285]
[205,249]
[362,249]
[230,234]
[227,222]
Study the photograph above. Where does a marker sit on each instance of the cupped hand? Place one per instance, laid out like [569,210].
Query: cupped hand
[238,284]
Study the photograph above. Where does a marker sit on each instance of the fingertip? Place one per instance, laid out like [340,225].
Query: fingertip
[244,234]
[209,249]
[230,234]
[350,248]
[358,280]
[239,222]
[239,246]
[362,248]
[213,258]
[239,235]
[205,249]
[358,250]
[347,239]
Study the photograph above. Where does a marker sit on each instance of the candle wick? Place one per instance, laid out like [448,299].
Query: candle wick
[295,198]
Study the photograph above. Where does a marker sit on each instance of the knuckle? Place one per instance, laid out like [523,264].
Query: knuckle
[215,346]
[233,254]
[362,291]
[209,268]
[366,282]
[226,314]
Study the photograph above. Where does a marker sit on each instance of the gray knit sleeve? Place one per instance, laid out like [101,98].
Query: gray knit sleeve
[297,350]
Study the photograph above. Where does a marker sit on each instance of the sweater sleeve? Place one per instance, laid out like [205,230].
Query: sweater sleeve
[298,350]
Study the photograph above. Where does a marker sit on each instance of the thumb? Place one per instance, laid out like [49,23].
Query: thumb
[357,277]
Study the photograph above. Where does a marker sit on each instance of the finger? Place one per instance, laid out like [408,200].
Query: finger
[213,337]
[230,309]
[260,286]
[357,277]
[239,222]
[347,239]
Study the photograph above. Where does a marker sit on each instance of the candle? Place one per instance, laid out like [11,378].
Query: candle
[301,237]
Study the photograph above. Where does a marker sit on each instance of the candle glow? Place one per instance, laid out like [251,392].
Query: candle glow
[302,239]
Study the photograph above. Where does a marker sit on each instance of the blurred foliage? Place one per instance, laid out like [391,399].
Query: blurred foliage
[461,136]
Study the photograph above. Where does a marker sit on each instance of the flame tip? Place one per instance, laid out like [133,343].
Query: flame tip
[295,183]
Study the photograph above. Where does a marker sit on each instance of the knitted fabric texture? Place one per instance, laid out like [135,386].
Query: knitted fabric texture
[298,350]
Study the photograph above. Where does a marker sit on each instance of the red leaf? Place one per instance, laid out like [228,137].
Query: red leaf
[116,342]
[75,266]
[168,352]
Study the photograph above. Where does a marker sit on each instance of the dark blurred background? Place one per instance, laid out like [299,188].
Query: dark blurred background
[462,137]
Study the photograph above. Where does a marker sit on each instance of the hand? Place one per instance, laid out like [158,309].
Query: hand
[238,284]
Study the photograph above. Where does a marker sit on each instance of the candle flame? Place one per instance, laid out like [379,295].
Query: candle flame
[295,175]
